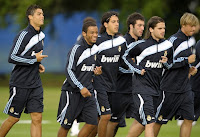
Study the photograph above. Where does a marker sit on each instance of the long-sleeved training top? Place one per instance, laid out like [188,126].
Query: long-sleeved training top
[148,55]
[124,78]
[81,61]
[175,79]
[25,73]
[111,50]
[195,80]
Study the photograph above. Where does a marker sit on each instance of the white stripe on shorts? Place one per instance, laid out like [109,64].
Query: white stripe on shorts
[141,110]
[10,101]
[160,106]
[97,103]
[62,115]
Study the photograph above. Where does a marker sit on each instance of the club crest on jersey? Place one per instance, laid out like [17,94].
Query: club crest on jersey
[33,53]
[65,121]
[11,109]
[119,48]
[165,53]
[103,109]
[95,57]
[42,42]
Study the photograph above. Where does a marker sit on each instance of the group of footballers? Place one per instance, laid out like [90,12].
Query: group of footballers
[110,77]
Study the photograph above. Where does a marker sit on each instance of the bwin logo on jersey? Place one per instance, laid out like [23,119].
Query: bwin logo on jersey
[110,59]
[153,64]
[88,68]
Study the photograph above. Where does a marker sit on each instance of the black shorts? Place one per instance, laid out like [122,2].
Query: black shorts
[196,105]
[122,105]
[180,105]
[21,98]
[145,108]
[104,100]
[74,106]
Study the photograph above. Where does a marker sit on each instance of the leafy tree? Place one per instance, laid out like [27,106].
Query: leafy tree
[169,10]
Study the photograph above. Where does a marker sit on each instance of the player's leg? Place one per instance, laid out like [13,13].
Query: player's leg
[67,111]
[62,132]
[111,128]
[136,129]
[186,111]
[196,107]
[94,131]
[102,126]
[7,125]
[36,124]
[89,115]
[105,109]
[157,127]
[35,108]
[13,108]
[186,128]
[144,115]
[119,104]
[149,130]
[86,130]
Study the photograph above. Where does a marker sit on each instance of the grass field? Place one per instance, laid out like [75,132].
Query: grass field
[51,99]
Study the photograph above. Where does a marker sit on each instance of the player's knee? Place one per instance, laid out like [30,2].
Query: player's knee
[187,121]
[36,118]
[91,126]
[114,123]
[106,117]
[12,119]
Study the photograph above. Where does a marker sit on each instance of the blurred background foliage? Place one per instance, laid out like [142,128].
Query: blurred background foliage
[170,10]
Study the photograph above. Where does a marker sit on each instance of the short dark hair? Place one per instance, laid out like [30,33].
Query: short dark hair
[152,22]
[87,24]
[31,9]
[89,19]
[106,18]
[133,18]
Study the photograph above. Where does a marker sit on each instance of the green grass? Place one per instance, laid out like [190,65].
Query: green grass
[51,100]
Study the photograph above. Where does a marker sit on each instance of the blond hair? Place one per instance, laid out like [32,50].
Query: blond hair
[189,19]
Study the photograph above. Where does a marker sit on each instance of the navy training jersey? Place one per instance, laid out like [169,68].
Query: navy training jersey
[148,55]
[25,73]
[111,49]
[81,61]
[195,80]
[124,78]
[176,79]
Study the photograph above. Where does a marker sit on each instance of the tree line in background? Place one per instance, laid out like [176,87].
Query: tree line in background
[169,10]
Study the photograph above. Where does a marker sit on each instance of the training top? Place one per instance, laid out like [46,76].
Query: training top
[195,80]
[25,73]
[80,66]
[124,78]
[148,54]
[111,49]
[175,80]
